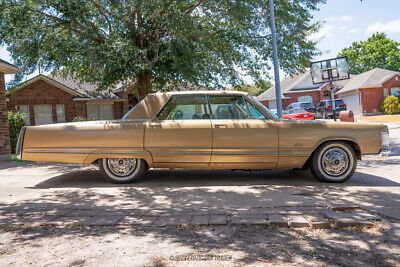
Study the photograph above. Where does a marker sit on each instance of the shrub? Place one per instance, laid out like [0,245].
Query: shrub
[15,123]
[390,105]
[76,119]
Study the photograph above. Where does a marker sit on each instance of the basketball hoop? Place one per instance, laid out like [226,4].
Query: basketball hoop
[329,71]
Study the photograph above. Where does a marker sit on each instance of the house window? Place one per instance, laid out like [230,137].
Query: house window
[272,104]
[395,91]
[305,98]
[43,114]
[24,109]
[60,113]
[385,92]
[100,111]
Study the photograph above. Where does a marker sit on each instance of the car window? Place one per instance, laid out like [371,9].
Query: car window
[228,107]
[306,105]
[298,110]
[185,107]
[254,112]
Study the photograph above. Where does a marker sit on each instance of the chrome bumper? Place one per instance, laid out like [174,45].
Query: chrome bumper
[382,155]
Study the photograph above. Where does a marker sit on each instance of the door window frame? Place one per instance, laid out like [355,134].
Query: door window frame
[207,104]
[247,100]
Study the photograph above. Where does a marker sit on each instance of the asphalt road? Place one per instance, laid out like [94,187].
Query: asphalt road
[375,186]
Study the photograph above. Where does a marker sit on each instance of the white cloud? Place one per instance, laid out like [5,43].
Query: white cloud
[392,26]
[325,31]
[342,18]
[353,31]
[342,28]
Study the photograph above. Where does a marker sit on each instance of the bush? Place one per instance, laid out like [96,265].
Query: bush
[390,105]
[15,123]
[76,119]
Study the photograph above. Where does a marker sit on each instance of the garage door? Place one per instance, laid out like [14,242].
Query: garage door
[353,103]
[43,114]
[100,111]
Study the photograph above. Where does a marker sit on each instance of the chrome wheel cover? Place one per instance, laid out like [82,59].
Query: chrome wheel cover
[121,167]
[335,161]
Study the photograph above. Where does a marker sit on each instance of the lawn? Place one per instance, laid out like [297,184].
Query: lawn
[14,158]
[379,118]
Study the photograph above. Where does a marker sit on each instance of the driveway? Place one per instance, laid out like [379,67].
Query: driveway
[375,186]
[81,192]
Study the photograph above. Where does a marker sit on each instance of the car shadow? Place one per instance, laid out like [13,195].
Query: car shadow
[199,178]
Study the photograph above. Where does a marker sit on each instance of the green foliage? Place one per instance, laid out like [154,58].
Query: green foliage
[256,89]
[15,124]
[391,105]
[210,43]
[77,119]
[377,52]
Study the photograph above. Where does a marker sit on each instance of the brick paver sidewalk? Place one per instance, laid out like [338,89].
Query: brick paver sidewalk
[295,217]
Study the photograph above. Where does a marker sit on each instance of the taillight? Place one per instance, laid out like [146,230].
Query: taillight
[328,107]
[314,107]
[344,106]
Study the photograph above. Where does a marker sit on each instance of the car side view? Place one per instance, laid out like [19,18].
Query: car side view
[205,129]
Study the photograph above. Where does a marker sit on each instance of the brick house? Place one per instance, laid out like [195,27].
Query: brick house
[299,88]
[54,99]
[5,151]
[364,93]
[47,99]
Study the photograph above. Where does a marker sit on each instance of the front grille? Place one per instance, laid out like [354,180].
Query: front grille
[20,143]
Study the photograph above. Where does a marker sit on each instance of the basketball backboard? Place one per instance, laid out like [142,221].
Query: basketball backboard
[334,69]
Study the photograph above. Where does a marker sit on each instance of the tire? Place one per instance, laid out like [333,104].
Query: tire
[113,169]
[334,162]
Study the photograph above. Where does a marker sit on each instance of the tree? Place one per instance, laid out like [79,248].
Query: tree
[258,88]
[377,52]
[204,42]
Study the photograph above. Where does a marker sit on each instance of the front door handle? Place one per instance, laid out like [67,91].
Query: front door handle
[221,126]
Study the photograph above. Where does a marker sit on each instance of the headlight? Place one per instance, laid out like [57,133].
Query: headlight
[385,139]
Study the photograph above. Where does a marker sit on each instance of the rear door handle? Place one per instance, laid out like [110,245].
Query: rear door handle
[221,126]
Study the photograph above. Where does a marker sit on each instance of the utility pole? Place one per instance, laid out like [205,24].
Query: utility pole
[275,59]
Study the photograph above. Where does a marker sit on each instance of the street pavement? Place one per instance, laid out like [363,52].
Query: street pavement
[64,189]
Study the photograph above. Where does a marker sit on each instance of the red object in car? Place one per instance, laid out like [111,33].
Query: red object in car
[308,116]
[328,107]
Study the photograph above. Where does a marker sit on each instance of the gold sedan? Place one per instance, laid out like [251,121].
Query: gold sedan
[206,129]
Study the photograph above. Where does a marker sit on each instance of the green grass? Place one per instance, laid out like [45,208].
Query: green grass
[14,158]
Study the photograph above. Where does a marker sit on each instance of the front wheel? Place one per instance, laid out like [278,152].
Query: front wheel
[122,170]
[334,162]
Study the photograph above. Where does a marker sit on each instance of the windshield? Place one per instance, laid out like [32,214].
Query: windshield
[261,104]
[306,105]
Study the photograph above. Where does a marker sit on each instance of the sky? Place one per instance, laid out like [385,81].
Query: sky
[344,22]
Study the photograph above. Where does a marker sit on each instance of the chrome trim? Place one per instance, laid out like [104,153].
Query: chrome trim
[382,155]
[20,143]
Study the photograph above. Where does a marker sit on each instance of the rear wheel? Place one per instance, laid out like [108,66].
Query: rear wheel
[334,162]
[122,170]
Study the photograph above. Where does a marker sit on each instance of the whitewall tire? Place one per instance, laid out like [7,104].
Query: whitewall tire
[122,170]
[334,162]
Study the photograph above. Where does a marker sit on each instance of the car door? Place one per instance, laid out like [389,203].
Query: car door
[243,137]
[180,135]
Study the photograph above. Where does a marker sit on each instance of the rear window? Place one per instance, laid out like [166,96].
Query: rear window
[337,102]
[306,105]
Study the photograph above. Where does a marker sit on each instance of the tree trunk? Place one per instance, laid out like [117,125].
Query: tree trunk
[143,85]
